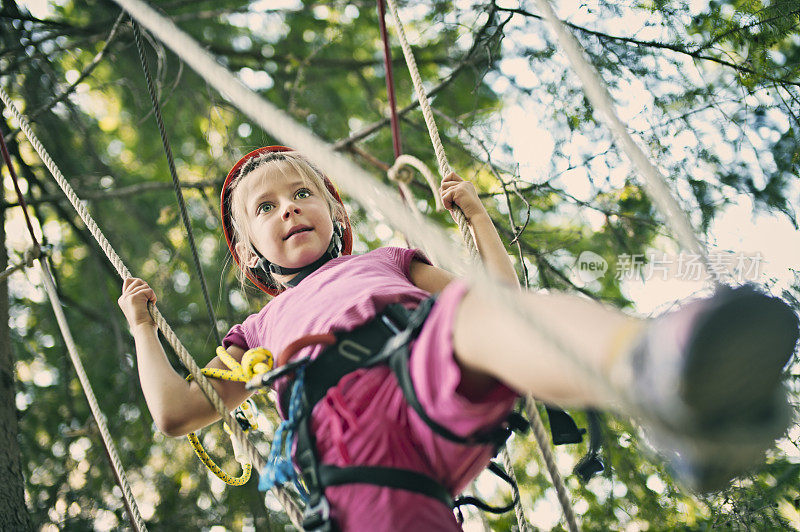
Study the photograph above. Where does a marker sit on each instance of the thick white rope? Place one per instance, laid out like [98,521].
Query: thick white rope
[519,511]
[537,424]
[359,185]
[654,181]
[374,196]
[183,354]
[119,471]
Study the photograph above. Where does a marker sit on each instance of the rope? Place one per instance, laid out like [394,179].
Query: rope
[518,511]
[184,356]
[134,515]
[176,183]
[445,169]
[441,157]
[654,181]
[254,362]
[20,196]
[214,468]
[550,462]
[130,503]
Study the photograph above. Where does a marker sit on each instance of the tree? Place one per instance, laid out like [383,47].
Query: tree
[12,502]
[682,76]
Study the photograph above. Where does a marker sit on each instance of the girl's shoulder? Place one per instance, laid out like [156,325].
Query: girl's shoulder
[396,258]
[397,254]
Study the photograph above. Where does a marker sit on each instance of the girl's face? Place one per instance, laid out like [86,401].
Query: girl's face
[288,219]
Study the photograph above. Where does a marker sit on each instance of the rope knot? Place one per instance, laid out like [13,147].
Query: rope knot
[400,174]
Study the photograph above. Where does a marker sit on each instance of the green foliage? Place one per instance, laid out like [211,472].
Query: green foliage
[713,95]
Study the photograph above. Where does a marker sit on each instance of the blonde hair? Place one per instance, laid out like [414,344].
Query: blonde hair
[262,167]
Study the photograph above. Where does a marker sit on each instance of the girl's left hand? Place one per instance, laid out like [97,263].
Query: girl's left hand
[457,192]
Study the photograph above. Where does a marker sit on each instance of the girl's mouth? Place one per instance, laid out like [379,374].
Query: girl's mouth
[297,230]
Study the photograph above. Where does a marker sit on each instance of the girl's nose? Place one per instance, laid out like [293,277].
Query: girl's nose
[291,208]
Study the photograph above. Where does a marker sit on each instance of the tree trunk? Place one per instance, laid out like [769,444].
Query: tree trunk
[13,514]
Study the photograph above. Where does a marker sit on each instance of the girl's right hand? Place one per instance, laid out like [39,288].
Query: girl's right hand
[133,302]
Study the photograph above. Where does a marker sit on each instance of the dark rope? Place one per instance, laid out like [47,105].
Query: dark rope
[175,181]
[397,143]
[387,61]
[20,197]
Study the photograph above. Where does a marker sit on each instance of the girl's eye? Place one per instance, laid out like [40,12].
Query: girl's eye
[302,193]
[264,207]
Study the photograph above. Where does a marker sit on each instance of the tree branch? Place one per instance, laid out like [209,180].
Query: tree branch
[655,44]
[123,192]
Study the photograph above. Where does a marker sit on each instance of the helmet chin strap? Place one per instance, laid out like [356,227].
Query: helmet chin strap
[334,250]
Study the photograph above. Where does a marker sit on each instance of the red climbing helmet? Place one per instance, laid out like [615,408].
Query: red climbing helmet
[257,276]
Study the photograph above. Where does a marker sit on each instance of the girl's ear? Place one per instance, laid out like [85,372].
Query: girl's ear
[246,255]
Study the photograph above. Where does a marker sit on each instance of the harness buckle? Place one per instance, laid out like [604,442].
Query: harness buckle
[353,350]
[317,516]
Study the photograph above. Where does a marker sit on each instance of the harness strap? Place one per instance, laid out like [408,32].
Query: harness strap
[388,477]
[399,365]
[495,468]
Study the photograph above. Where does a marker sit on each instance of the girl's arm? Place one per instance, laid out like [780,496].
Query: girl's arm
[456,191]
[177,406]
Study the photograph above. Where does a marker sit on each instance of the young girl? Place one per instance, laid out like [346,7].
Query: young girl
[707,376]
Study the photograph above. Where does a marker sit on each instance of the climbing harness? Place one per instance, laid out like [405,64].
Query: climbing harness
[383,340]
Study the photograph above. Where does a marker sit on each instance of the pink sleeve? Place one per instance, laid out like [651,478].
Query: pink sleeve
[437,375]
[235,337]
[403,257]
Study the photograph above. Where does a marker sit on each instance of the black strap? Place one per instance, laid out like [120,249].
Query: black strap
[334,250]
[399,364]
[360,348]
[357,349]
[388,477]
[495,468]
[591,464]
